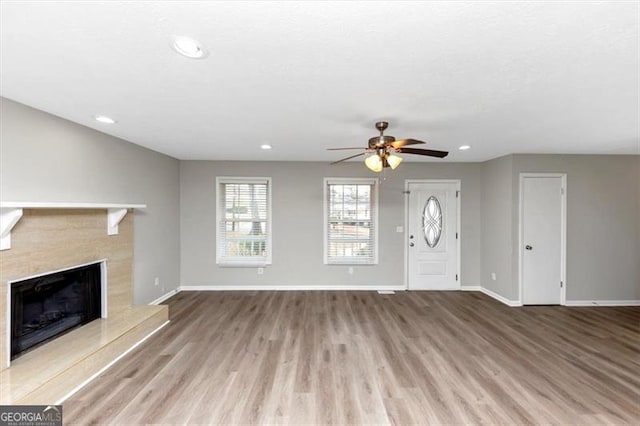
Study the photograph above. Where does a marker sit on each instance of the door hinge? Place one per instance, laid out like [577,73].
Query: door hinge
[562,191]
[457,194]
[561,284]
[456,235]
[406,192]
[456,277]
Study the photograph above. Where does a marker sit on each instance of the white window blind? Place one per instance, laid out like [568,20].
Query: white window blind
[351,216]
[244,221]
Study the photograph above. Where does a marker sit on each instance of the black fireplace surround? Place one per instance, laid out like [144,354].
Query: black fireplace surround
[46,307]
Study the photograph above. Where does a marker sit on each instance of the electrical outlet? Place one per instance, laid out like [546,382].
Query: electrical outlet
[260,271]
[494,276]
[156,281]
[350,270]
[399,229]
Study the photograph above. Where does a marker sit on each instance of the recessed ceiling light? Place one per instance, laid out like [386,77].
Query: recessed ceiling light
[464,147]
[104,119]
[188,47]
[266,146]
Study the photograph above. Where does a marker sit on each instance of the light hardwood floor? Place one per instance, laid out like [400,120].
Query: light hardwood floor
[360,357]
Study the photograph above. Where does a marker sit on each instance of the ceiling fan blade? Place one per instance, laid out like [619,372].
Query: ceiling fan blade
[348,158]
[338,149]
[403,142]
[428,152]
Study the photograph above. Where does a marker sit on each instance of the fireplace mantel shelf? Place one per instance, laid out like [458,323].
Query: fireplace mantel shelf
[11,212]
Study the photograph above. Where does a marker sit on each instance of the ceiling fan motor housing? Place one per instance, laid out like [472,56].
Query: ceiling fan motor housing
[378,141]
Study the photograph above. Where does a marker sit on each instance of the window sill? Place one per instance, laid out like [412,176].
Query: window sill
[243,264]
[350,263]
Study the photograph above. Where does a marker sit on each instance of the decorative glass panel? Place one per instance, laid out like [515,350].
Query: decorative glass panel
[432,221]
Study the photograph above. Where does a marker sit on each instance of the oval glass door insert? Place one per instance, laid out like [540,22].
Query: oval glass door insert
[432,221]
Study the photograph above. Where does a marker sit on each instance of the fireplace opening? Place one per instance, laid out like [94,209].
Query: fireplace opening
[48,306]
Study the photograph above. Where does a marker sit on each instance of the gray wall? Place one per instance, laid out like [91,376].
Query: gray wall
[46,158]
[297,201]
[497,227]
[603,221]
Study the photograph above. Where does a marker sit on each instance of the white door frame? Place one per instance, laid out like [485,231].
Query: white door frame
[563,233]
[406,225]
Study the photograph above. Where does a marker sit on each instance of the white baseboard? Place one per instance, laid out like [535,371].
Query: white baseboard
[499,298]
[106,367]
[164,297]
[380,289]
[471,288]
[602,303]
[290,288]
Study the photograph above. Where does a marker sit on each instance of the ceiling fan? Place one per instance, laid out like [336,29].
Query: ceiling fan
[383,147]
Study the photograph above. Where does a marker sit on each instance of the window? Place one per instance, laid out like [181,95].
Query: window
[244,221]
[351,216]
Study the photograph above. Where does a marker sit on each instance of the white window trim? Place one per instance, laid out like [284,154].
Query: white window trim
[230,262]
[350,181]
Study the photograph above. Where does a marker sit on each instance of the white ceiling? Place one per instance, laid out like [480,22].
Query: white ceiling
[504,77]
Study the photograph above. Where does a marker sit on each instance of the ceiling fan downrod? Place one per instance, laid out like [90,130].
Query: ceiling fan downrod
[379,141]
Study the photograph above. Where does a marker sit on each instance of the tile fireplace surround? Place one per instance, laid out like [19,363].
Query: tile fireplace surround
[46,239]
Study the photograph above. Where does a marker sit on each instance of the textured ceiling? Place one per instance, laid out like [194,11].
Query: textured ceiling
[504,77]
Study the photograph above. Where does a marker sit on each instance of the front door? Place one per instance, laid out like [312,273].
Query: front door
[432,232]
[542,240]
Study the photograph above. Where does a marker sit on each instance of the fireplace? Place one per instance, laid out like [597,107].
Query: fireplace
[49,305]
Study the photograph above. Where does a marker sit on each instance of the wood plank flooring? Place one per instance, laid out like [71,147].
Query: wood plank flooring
[364,358]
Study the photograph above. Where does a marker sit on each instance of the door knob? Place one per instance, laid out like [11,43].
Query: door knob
[411,244]
[528,247]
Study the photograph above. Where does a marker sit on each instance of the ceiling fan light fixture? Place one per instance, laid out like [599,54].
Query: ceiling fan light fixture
[373,163]
[394,161]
